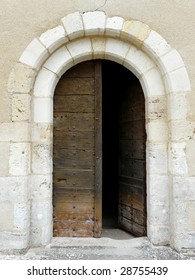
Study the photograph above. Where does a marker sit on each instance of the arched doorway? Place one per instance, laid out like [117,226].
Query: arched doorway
[32,82]
[99,151]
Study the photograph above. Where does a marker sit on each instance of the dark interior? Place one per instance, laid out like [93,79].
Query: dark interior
[115,80]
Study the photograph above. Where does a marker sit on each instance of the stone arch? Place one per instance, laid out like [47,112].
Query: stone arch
[164,80]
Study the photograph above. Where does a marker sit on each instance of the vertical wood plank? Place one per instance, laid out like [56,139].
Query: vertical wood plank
[132,158]
[98,149]
[74,152]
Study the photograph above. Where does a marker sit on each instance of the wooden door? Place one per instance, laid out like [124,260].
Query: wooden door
[77,155]
[77,152]
[132,159]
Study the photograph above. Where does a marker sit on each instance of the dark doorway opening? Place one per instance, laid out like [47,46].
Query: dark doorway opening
[110,142]
[115,80]
[123,152]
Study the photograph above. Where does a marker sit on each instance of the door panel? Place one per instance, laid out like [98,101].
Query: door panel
[75,154]
[132,160]
[98,149]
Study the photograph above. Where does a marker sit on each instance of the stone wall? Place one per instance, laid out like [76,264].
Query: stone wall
[26,93]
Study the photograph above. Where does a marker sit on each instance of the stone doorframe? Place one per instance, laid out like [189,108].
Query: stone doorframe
[162,74]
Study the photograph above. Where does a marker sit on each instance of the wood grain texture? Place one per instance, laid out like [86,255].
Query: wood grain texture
[74,152]
[132,161]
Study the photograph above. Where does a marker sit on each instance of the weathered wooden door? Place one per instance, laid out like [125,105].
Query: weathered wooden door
[132,160]
[77,155]
[77,152]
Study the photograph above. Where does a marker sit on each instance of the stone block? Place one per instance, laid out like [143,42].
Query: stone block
[156,108]
[41,236]
[177,81]
[114,26]
[157,158]
[184,243]
[155,45]
[41,159]
[116,50]
[157,131]
[41,187]
[41,213]
[14,189]
[178,164]
[80,49]
[138,62]
[170,61]
[20,107]
[190,99]
[43,110]
[135,32]
[46,234]
[42,132]
[152,84]
[188,241]
[15,131]
[34,54]
[73,25]
[159,235]
[21,79]
[21,215]
[19,163]
[177,106]
[53,38]
[4,159]
[6,216]
[14,240]
[59,62]
[158,189]
[190,155]
[179,218]
[45,83]
[182,130]
[94,22]
[183,188]
[35,236]
[191,216]
[98,47]
[158,214]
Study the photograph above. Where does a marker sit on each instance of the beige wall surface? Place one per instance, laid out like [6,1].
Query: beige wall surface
[23,20]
